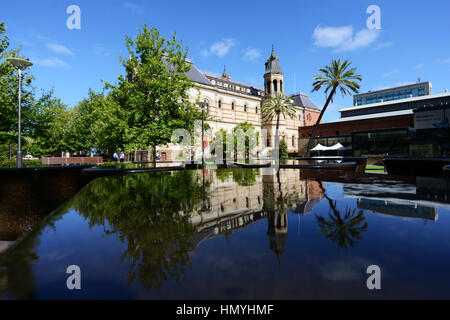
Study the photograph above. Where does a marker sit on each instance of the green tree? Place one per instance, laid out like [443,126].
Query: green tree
[45,119]
[335,76]
[152,100]
[277,105]
[250,138]
[9,84]
[49,127]
[283,150]
[220,138]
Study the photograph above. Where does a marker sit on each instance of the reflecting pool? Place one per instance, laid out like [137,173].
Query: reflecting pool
[235,234]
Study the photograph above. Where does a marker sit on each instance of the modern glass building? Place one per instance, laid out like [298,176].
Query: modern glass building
[402,92]
[410,127]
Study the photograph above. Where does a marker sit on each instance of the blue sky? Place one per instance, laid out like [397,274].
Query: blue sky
[413,41]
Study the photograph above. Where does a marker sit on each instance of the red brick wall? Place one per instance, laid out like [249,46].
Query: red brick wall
[72,160]
[347,127]
[311,117]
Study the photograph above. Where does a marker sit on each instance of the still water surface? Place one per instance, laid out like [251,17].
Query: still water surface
[238,234]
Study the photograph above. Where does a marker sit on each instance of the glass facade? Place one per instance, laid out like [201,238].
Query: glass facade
[392,95]
[381,142]
[429,142]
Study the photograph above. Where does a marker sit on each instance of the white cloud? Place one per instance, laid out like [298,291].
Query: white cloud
[343,38]
[419,66]
[444,61]
[134,8]
[251,54]
[52,62]
[59,48]
[331,36]
[390,73]
[220,48]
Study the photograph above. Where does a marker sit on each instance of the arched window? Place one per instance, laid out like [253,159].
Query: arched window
[274,85]
[268,87]
[293,141]
[281,85]
[245,108]
[232,106]
[256,110]
[220,103]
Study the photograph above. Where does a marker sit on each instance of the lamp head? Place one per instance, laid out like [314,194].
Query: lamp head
[19,63]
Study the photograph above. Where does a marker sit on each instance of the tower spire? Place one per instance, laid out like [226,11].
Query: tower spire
[225,75]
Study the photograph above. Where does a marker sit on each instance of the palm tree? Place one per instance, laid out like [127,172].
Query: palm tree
[336,75]
[279,104]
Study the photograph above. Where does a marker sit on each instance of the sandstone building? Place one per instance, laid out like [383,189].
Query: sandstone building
[230,102]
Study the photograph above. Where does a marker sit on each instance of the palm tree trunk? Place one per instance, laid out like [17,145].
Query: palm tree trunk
[313,134]
[154,156]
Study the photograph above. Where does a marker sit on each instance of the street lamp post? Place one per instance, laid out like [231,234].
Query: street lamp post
[205,204]
[203,104]
[20,64]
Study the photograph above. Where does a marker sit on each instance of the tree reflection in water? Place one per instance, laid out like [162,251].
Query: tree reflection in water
[343,229]
[151,213]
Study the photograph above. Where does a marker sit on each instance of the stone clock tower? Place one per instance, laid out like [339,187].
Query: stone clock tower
[273,84]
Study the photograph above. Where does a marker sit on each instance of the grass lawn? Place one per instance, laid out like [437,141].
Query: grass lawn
[374,169]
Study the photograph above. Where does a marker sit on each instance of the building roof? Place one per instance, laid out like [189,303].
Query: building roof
[273,64]
[197,76]
[219,77]
[302,100]
[399,101]
[374,115]
[392,89]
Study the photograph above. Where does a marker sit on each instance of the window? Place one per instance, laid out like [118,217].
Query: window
[293,141]
[274,85]
[232,106]
[220,103]
[256,110]
[245,108]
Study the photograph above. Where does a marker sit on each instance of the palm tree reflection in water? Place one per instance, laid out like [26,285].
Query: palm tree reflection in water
[344,229]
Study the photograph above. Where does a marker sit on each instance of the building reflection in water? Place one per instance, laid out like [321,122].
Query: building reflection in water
[418,198]
[239,197]
[163,217]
